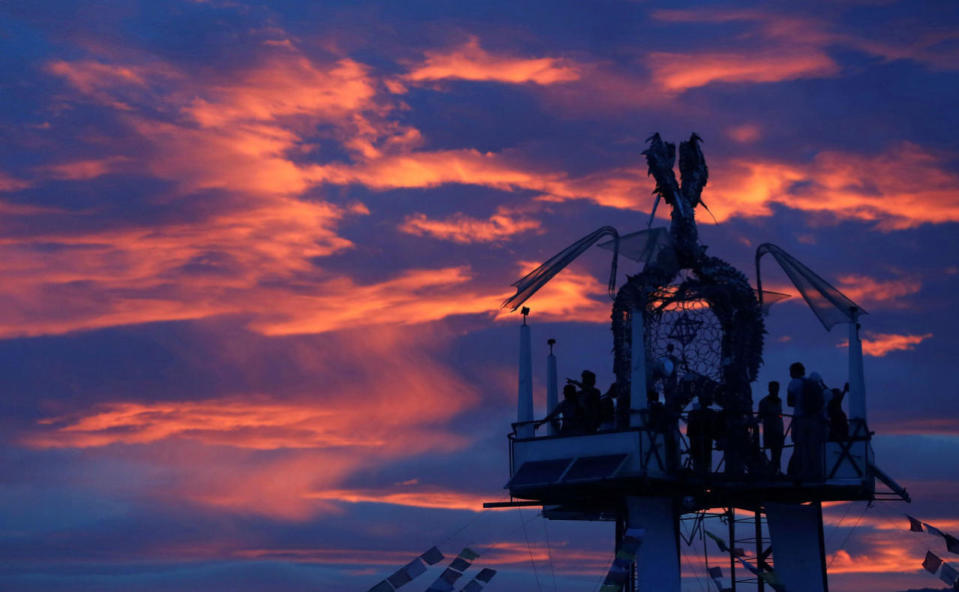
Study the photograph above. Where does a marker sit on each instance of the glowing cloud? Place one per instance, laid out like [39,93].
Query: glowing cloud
[465,229]
[680,72]
[880,344]
[472,62]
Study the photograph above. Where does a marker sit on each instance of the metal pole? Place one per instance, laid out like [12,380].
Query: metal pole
[552,386]
[524,399]
[857,383]
[732,548]
[759,548]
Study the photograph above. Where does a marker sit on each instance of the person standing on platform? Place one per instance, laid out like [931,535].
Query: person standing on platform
[699,429]
[813,429]
[571,412]
[797,375]
[771,417]
[589,400]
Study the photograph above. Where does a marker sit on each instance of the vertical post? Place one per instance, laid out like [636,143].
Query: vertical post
[857,382]
[637,375]
[552,388]
[524,402]
[759,548]
[732,548]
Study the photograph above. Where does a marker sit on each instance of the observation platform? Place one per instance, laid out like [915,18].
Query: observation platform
[590,473]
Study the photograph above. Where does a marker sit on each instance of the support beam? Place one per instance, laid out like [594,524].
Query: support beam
[637,377]
[657,564]
[799,553]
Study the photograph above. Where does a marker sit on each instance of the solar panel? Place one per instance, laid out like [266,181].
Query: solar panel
[539,472]
[591,468]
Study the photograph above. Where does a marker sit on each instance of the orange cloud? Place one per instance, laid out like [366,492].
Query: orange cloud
[744,134]
[868,291]
[570,296]
[875,188]
[9,183]
[883,556]
[472,62]
[466,229]
[416,498]
[85,169]
[676,72]
[880,344]
[383,397]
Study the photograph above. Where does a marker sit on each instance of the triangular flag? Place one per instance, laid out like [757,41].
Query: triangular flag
[931,562]
[952,543]
[914,525]
[948,574]
[432,556]
[486,574]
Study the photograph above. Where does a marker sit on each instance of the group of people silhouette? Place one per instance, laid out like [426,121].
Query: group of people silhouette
[583,409]
[817,417]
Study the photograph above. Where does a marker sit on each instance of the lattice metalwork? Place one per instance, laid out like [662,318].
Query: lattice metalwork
[683,320]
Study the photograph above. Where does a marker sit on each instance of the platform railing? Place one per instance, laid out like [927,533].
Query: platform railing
[672,454]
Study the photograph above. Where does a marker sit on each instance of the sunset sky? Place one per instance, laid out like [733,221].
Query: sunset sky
[252,257]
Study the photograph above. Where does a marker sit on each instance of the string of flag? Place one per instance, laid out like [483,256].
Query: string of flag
[716,573]
[459,564]
[622,563]
[410,571]
[933,563]
[445,581]
[947,573]
[952,543]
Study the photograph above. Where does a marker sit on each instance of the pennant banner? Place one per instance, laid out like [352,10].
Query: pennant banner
[716,574]
[914,525]
[949,575]
[619,571]
[483,577]
[409,572]
[460,563]
[952,543]
[931,562]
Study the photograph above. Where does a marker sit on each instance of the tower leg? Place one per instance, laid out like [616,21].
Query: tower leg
[799,553]
[657,563]
[630,585]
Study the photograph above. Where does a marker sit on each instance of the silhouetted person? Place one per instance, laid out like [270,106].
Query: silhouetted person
[771,417]
[810,430]
[699,429]
[838,422]
[797,376]
[571,412]
[607,408]
[589,397]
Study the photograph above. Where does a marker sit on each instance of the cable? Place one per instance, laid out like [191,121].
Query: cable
[530,549]
[848,534]
[549,553]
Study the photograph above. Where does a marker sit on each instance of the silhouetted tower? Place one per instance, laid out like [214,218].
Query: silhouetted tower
[688,343]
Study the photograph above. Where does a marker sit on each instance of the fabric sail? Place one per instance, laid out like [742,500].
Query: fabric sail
[829,305]
[536,279]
